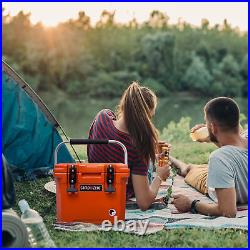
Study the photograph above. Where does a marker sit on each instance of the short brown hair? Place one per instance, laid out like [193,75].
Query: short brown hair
[224,111]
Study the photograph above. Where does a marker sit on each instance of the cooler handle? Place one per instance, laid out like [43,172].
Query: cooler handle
[89,141]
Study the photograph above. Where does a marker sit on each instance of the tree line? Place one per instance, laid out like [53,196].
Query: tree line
[99,61]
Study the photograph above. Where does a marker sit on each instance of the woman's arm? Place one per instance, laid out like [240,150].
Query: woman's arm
[144,192]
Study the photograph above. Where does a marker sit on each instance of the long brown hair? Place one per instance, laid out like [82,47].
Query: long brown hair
[137,106]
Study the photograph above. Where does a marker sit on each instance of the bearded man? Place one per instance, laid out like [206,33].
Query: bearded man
[225,178]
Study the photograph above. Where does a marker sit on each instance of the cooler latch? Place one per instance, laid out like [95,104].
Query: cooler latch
[110,179]
[72,179]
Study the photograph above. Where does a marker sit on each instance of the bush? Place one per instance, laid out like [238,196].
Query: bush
[243,121]
[177,132]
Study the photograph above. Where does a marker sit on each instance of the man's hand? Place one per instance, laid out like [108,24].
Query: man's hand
[198,126]
[226,205]
[164,171]
[182,203]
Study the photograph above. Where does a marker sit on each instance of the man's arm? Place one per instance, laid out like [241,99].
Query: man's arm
[226,205]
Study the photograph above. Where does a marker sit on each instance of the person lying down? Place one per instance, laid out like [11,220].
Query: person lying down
[131,125]
[225,178]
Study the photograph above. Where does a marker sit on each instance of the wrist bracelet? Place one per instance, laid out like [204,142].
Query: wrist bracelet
[193,207]
[157,176]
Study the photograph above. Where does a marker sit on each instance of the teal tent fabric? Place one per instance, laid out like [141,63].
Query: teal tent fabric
[29,138]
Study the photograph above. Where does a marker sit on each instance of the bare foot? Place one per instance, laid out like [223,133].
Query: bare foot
[182,166]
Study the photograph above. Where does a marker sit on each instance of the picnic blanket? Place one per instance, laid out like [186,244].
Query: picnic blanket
[159,217]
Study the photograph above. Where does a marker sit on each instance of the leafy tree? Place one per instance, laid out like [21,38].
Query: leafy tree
[133,24]
[106,19]
[158,50]
[204,24]
[158,19]
[244,73]
[157,87]
[197,77]
[101,60]
[83,21]
[227,80]
[14,44]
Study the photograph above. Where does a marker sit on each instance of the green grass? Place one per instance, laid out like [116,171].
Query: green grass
[44,203]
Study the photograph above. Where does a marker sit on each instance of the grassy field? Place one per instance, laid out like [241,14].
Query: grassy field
[44,203]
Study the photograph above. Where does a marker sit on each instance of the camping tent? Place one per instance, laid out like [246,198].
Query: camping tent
[30,133]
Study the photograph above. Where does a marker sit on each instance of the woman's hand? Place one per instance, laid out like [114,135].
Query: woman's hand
[164,171]
[158,156]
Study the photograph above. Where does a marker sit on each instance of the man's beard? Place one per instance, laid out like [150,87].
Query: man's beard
[212,136]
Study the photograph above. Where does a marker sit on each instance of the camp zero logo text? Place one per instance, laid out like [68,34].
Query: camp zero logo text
[95,188]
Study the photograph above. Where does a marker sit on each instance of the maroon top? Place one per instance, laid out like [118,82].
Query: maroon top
[103,128]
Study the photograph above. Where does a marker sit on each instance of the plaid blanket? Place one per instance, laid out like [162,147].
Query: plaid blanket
[160,217]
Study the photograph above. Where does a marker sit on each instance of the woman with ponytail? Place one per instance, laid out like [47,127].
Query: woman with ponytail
[132,125]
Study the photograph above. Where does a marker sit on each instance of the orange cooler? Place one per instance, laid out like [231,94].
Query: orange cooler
[91,192]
